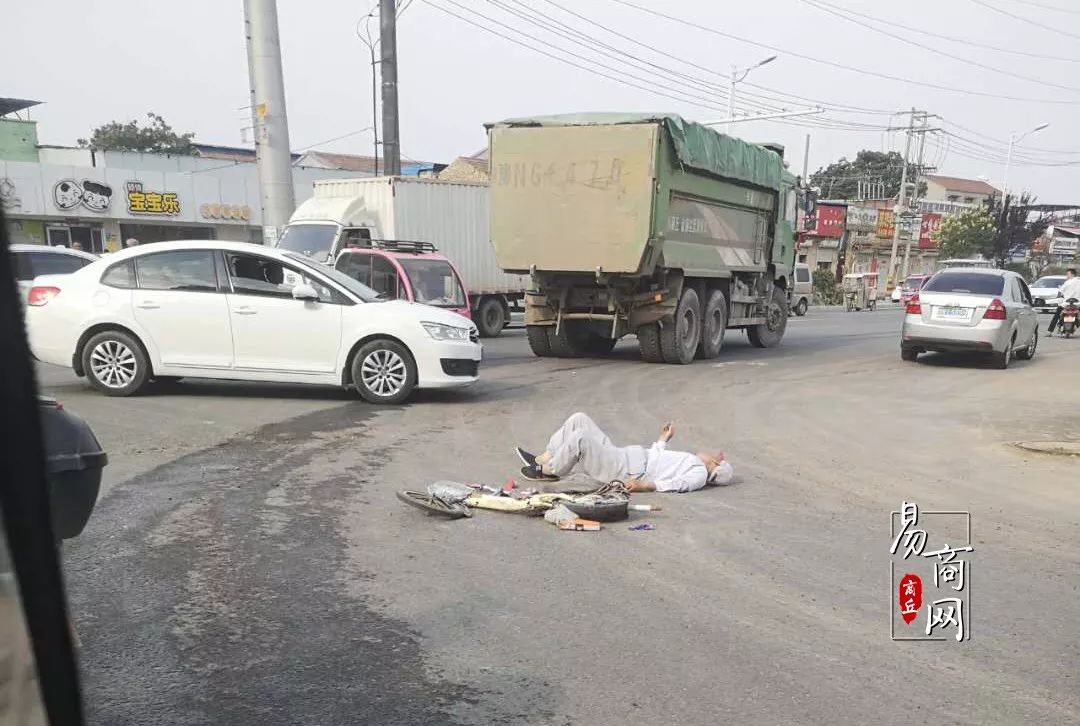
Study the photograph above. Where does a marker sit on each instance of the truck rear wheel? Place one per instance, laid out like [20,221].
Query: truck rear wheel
[679,338]
[490,317]
[713,324]
[571,341]
[769,333]
[538,340]
[649,343]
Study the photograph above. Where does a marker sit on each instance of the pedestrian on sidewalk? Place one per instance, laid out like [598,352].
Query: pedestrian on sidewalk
[581,445]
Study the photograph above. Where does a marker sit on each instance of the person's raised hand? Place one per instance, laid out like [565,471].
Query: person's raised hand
[667,431]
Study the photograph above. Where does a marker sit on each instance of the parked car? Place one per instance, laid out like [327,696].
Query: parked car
[802,291]
[34,260]
[911,285]
[412,271]
[972,309]
[73,465]
[205,309]
[1048,289]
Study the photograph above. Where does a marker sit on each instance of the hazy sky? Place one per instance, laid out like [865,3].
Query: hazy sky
[94,61]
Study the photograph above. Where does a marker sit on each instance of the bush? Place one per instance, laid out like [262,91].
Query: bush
[825,290]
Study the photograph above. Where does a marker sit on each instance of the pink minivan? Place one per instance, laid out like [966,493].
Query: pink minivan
[406,270]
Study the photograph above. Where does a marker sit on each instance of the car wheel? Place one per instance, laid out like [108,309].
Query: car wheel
[383,371]
[679,338]
[1029,352]
[713,326]
[909,354]
[1003,359]
[115,363]
[800,309]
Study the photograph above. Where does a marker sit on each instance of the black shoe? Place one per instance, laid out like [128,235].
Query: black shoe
[534,473]
[526,458]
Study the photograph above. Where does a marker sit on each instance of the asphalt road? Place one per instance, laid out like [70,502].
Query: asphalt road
[249,563]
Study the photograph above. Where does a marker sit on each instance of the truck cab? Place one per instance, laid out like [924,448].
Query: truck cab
[405,270]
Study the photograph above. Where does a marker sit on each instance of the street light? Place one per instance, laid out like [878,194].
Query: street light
[1013,138]
[735,78]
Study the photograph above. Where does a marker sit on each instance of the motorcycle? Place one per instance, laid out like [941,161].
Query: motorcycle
[1069,315]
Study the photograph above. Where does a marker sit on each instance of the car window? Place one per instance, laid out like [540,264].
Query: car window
[384,278]
[266,277]
[802,274]
[24,270]
[1049,282]
[356,266]
[120,275]
[972,283]
[187,270]
[1025,292]
[49,263]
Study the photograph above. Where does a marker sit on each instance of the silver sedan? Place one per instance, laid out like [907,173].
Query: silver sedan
[972,309]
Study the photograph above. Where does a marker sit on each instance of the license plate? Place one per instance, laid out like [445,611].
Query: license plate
[949,312]
[1070,318]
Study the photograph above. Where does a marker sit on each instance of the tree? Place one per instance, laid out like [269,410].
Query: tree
[840,180]
[964,234]
[155,136]
[1016,231]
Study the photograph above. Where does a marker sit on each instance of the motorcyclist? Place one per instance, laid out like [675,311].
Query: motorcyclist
[1069,289]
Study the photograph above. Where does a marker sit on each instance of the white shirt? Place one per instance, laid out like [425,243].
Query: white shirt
[1070,288]
[674,471]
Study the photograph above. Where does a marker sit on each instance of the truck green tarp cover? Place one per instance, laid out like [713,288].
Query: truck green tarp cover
[696,146]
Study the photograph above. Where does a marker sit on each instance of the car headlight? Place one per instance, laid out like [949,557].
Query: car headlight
[438,331]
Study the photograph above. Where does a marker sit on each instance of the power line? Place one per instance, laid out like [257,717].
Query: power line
[781,99]
[834,64]
[1047,7]
[1022,19]
[948,38]
[566,61]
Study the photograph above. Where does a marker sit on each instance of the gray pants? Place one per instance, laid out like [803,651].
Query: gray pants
[580,443]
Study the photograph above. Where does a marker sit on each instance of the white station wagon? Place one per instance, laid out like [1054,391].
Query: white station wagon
[205,309]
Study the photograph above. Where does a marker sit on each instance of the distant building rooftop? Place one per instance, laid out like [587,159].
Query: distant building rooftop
[965,186]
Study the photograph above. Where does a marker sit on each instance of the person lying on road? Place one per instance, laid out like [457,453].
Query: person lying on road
[580,444]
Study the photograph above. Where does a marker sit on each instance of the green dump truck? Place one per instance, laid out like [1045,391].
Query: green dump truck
[645,225]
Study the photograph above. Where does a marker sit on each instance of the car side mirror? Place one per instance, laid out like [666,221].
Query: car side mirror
[305,292]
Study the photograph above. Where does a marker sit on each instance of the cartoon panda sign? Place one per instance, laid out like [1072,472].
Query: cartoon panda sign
[93,195]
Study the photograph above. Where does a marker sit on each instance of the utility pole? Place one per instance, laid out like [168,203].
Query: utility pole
[269,118]
[806,162]
[915,187]
[900,206]
[391,143]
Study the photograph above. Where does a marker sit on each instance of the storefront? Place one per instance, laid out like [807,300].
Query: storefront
[97,208]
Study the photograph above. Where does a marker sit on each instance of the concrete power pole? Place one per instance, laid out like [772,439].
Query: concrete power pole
[915,188]
[391,142]
[806,162]
[900,205]
[268,116]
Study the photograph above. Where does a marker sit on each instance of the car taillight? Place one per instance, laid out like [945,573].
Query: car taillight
[41,294]
[995,310]
[914,307]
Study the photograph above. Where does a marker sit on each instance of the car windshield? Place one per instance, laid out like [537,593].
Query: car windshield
[912,283]
[313,240]
[1049,282]
[434,282]
[970,283]
[359,289]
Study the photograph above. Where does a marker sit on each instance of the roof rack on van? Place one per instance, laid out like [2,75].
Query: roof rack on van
[403,245]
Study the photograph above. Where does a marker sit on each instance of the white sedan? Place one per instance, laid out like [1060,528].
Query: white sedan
[206,309]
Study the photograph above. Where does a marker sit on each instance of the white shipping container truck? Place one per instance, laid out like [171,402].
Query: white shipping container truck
[454,217]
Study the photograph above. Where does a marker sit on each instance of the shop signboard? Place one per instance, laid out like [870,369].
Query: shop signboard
[830,220]
[862,219]
[886,223]
[928,230]
[151,202]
